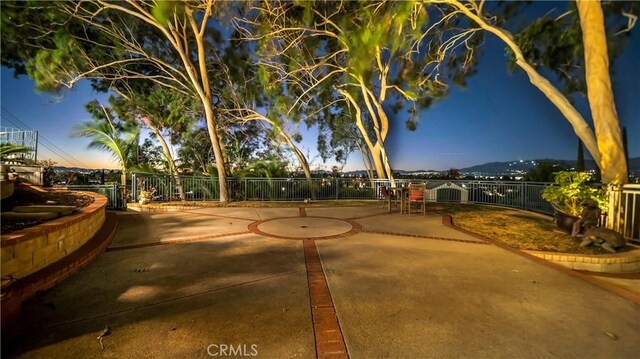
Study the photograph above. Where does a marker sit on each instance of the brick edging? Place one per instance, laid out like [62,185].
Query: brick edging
[26,288]
[425,237]
[447,220]
[328,337]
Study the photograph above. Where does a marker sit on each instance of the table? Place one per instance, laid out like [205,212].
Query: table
[400,192]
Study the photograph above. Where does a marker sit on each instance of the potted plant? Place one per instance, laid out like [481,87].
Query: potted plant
[145,197]
[568,194]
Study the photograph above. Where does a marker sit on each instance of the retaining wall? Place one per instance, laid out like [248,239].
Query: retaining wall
[625,262]
[31,249]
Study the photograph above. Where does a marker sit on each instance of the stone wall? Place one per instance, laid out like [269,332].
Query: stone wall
[31,249]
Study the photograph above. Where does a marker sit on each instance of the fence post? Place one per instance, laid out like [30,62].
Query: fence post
[523,195]
[245,188]
[134,188]
[337,188]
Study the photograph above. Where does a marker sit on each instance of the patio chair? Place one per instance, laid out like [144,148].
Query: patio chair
[385,196]
[417,195]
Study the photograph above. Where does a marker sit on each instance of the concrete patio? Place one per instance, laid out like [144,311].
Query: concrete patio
[186,284]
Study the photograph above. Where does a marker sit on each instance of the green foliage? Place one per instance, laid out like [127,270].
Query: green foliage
[48,172]
[264,168]
[554,41]
[571,191]
[107,134]
[164,11]
[9,152]
[150,158]
[371,41]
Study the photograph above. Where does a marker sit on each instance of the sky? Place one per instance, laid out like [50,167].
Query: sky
[498,117]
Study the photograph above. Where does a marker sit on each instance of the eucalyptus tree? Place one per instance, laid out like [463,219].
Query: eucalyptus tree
[150,157]
[338,137]
[165,113]
[247,98]
[195,151]
[110,134]
[369,54]
[575,46]
[172,44]
[244,144]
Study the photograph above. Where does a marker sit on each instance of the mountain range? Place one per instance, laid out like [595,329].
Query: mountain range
[499,168]
[526,165]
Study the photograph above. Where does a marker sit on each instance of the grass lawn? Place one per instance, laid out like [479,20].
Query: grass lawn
[516,228]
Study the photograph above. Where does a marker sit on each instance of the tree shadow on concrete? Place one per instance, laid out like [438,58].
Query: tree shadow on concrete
[128,286]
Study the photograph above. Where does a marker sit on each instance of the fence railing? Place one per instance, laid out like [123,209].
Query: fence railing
[116,194]
[28,139]
[524,195]
[628,208]
[514,194]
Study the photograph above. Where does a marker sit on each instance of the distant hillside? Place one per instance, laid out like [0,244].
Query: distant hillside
[526,165]
[75,169]
[499,168]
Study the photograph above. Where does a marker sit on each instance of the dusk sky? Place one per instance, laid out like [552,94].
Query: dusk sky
[498,117]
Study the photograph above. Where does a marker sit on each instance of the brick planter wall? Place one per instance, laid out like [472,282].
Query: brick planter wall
[156,207]
[625,262]
[31,249]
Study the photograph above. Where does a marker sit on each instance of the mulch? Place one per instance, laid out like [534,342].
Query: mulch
[29,197]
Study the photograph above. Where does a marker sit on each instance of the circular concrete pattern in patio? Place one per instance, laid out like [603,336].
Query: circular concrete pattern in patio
[305,228]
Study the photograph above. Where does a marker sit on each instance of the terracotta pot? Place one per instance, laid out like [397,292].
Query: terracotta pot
[565,221]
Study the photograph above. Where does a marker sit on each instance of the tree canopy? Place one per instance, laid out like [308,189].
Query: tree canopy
[221,79]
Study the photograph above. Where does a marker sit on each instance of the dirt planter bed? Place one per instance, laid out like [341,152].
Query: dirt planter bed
[31,249]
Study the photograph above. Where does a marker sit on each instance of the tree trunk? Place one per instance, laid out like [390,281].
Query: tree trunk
[376,149]
[303,163]
[377,161]
[217,152]
[170,160]
[600,94]
[366,159]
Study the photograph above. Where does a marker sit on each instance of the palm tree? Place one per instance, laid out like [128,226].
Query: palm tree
[11,152]
[119,139]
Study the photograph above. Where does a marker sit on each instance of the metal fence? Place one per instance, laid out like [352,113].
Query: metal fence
[628,222]
[524,195]
[514,194]
[28,139]
[116,194]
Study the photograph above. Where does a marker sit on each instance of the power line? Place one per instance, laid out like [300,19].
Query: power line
[45,142]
